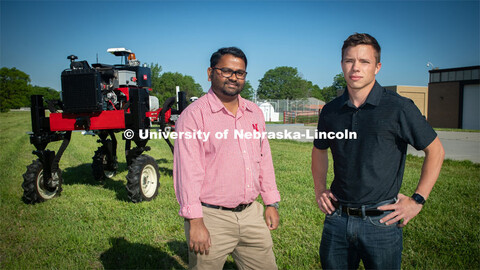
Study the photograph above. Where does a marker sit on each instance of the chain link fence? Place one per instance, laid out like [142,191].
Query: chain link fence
[291,111]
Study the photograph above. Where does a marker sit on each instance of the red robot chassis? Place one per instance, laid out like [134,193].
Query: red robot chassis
[103,100]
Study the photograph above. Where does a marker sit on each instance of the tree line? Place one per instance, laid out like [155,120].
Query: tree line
[287,83]
[15,89]
[278,83]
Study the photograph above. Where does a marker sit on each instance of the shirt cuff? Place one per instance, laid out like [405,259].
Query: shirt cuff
[191,211]
[271,197]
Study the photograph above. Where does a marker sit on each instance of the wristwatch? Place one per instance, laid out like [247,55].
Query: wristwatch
[418,198]
[275,205]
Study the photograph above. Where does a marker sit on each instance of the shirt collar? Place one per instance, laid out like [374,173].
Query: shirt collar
[344,99]
[243,104]
[217,105]
[373,97]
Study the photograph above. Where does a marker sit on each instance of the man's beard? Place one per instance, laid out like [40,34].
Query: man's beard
[231,94]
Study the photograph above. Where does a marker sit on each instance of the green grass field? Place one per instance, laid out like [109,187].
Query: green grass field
[93,225]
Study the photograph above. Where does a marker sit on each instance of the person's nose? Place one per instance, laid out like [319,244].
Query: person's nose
[355,66]
[233,77]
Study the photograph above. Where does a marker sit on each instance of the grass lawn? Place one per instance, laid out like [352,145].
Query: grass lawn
[93,225]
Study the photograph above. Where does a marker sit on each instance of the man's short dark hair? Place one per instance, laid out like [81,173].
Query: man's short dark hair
[362,39]
[228,50]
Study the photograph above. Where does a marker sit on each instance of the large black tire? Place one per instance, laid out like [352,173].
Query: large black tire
[101,169]
[34,190]
[142,179]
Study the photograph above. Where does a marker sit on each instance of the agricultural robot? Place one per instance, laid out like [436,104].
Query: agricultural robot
[100,100]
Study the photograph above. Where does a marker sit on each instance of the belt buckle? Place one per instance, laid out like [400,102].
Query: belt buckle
[352,209]
[239,208]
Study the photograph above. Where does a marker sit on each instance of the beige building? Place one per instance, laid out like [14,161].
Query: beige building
[419,95]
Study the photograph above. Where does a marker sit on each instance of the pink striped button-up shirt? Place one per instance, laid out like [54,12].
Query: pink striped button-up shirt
[226,169]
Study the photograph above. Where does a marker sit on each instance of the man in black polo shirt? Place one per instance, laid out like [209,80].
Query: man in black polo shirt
[364,210]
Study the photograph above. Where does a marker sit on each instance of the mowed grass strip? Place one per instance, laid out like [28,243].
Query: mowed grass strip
[93,225]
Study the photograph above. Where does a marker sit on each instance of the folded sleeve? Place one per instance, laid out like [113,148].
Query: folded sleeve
[414,128]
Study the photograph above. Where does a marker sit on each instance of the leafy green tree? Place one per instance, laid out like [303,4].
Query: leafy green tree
[329,93]
[167,84]
[282,83]
[14,89]
[247,92]
[339,81]
[156,70]
[312,89]
[317,92]
[164,84]
[47,93]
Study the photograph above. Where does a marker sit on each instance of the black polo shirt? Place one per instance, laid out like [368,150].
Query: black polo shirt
[369,169]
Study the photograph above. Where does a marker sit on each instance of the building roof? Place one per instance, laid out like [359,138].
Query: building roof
[315,100]
[461,74]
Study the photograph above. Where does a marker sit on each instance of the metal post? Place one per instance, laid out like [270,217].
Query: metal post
[177,89]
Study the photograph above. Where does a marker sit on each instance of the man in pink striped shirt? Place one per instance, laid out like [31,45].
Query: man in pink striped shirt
[221,165]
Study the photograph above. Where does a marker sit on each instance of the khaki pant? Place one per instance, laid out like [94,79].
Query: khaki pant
[242,234]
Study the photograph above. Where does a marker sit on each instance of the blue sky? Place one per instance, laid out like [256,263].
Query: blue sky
[37,36]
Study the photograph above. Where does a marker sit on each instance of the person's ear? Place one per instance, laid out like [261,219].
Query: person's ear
[378,67]
[209,72]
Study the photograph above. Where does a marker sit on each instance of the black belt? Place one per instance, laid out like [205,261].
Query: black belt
[239,208]
[358,211]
